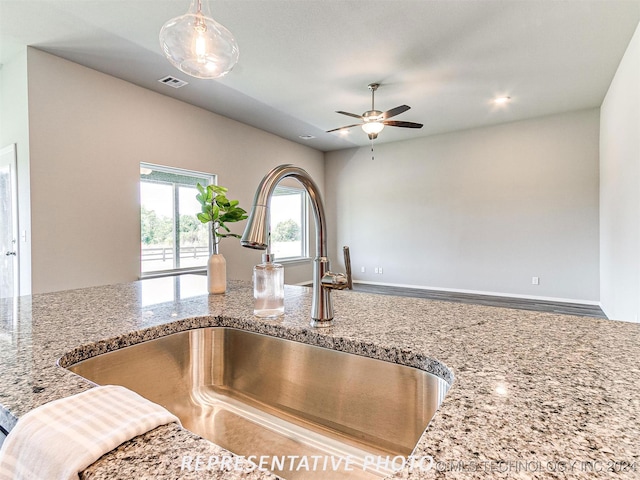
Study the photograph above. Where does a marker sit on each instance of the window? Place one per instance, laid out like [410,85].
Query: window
[289,235]
[172,238]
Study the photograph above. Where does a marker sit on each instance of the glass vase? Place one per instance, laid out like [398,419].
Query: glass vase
[217,273]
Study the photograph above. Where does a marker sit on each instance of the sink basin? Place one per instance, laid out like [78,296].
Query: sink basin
[257,395]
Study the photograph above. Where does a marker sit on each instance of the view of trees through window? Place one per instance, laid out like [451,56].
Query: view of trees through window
[286,231]
[289,223]
[171,237]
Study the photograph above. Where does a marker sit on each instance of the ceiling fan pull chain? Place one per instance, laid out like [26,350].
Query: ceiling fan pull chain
[372,157]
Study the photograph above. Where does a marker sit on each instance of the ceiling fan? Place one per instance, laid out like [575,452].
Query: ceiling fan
[373,121]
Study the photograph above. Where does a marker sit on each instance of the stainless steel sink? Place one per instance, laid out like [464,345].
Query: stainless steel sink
[260,395]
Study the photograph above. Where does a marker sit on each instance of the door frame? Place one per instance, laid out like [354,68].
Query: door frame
[8,155]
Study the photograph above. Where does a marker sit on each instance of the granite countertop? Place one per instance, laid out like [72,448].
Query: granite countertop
[534,395]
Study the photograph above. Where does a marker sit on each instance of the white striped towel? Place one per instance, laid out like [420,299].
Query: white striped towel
[61,438]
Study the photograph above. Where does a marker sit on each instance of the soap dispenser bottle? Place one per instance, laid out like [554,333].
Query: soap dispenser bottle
[268,288]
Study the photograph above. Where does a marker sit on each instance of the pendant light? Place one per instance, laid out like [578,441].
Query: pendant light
[198,45]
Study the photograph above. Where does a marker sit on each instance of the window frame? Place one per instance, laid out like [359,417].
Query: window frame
[304,222]
[207,179]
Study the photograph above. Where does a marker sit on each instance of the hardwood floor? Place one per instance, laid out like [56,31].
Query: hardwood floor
[562,308]
[506,302]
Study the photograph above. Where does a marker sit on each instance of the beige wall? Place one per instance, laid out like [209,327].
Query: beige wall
[620,189]
[482,210]
[89,133]
[14,129]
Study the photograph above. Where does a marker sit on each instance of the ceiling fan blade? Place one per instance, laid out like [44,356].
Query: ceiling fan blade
[349,114]
[395,111]
[397,123]
[342,128]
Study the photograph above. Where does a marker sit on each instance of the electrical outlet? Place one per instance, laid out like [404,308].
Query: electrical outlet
[535,280]
[363,269]
[380,270]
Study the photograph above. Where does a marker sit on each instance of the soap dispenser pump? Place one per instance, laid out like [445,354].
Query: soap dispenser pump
[268,288]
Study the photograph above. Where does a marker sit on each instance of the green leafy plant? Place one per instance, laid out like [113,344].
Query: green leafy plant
[218,210]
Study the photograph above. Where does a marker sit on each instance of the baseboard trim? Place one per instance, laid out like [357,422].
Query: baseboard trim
[480,292]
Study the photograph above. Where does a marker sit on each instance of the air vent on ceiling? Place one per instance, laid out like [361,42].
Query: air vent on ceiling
[173,81]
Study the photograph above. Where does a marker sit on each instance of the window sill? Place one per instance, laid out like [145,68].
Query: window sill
[293,261]
[172,273]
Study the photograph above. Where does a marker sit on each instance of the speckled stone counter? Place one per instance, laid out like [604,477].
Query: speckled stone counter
[534,395]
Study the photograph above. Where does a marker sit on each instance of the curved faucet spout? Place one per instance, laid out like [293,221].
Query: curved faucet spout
[256,235]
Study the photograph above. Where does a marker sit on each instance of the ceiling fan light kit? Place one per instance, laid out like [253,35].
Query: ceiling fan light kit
[373,128]
[198,45]
[373,121]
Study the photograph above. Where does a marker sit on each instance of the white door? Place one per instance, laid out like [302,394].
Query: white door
[8,223]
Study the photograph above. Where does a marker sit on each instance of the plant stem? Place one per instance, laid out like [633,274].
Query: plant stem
[214,229]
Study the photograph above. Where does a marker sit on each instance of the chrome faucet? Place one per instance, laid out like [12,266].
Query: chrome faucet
[256,235]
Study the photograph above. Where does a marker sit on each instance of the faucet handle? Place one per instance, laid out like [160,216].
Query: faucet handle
[335,281]
[347,266]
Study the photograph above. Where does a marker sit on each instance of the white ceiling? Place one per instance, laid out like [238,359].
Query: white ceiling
[300,60]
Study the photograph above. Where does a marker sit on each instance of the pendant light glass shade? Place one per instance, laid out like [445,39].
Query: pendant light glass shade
[198,45]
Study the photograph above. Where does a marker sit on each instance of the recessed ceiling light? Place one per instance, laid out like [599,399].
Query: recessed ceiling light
[306,137]
[501,100]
